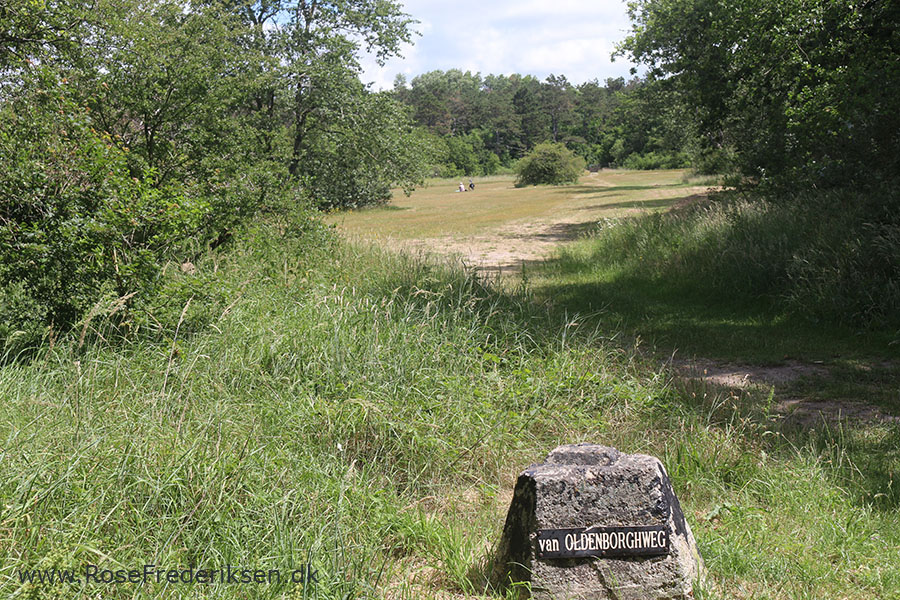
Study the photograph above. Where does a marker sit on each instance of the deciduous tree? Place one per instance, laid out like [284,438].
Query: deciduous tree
[799,90]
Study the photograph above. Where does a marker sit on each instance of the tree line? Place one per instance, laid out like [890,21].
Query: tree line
[797,93]
[478,125]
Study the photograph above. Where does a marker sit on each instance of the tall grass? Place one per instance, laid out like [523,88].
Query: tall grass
[832,257]
[367,414]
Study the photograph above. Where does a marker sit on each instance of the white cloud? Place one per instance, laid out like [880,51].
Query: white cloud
[574,38]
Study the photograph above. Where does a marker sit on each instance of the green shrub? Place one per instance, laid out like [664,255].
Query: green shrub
[22,319]
[75,225]
[361,156]
[549,163]
[657,160]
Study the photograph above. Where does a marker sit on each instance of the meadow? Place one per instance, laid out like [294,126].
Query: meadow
[439,210]
[366,413]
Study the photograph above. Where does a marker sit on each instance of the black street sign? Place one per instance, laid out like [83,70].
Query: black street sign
[603,542]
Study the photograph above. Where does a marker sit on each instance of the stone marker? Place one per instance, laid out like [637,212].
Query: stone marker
[594,523]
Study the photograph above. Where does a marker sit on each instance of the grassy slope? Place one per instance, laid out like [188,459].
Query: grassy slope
[705,282]
[369,414]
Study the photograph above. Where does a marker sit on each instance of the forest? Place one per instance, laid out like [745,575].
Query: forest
[479,125]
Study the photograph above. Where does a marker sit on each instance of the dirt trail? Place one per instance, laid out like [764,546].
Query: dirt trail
[793,408]
[505,249]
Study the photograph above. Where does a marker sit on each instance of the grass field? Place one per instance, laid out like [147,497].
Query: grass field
[438,210]
[367,413]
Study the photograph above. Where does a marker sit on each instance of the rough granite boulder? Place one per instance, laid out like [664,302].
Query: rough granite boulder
[585,486]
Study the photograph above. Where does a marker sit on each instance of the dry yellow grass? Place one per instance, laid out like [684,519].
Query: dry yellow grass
[438,209]
[497,226]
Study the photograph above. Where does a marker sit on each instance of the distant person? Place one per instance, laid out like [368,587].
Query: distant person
[462,188]
[471,184]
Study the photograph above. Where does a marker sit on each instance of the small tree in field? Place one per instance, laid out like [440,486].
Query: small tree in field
[549,163]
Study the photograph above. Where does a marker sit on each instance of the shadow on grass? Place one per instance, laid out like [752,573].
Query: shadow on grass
[595,189]
[860,457]
[688,323]
[658,203]
[557,232]
[865,460]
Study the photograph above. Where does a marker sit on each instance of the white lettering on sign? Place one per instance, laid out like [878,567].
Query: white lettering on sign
[549,545]
[603,541]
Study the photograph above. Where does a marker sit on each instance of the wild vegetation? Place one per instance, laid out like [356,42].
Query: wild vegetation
[196,373]
[550,164]
[368,414]
[134,134]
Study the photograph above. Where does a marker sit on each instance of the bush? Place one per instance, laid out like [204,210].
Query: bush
[75,225]
[549,163]
[657,160]
[22,320]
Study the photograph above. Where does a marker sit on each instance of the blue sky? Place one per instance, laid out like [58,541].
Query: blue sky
[535,37]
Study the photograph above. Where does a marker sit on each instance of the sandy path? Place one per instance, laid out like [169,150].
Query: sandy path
[792,409]
[503,250]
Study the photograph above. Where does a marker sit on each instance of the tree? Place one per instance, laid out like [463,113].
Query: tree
[558,98]
[318,46]
[160,83]
[74,224]
[369,147]
[40,30]
[549,163]
[98,143]
[502,122]
[535,123]
[483,123]
[652,125]
[800,91]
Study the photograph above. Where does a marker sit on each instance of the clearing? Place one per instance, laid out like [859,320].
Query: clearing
[498,227]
